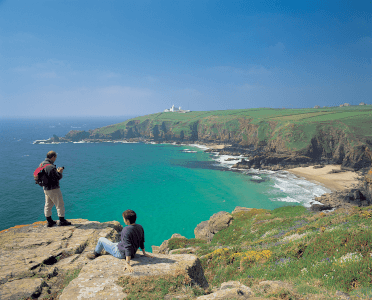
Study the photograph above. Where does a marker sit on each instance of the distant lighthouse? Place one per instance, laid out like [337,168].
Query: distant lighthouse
[175,109]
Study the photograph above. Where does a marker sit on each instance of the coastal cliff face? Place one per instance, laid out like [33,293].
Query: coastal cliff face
[332,135]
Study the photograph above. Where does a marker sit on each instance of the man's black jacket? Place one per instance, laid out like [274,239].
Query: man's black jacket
[52,177]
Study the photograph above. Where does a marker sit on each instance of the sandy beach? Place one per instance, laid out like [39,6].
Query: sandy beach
[217,146]
[323,176]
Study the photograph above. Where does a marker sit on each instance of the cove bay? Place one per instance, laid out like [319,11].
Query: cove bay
[171,188]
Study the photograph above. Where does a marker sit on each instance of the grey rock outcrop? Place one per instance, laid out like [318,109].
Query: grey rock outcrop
[273,161]
[230,290]
[274,285]
[203,232]
[98,279]
[320,207]
[187,250]
[207,229]
[342,199]
[240,208]
[163,248]
[35,258]
[22,288]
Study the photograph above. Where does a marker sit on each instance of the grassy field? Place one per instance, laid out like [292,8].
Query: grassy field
[294,126]
[317,254]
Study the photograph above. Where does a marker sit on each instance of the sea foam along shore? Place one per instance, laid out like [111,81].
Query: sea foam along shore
[300,185]
[287,186]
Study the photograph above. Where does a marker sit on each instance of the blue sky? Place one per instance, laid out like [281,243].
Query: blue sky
[106,58]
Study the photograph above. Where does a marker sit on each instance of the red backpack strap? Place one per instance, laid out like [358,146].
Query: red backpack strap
[39,169]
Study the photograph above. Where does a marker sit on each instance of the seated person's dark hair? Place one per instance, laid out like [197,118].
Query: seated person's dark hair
[130,215]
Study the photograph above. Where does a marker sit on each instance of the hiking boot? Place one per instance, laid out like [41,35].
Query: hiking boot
[50,223]
[92,255]
[63,222]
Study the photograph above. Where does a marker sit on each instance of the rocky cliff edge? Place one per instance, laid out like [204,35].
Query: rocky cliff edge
[38,262]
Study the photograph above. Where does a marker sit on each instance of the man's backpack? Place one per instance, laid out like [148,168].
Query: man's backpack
[39,174]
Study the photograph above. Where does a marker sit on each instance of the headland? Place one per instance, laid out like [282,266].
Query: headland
[307,142]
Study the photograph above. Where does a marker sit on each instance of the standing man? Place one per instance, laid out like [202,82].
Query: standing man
[53,195]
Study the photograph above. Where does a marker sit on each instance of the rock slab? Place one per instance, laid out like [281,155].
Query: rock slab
[207,229]
[230,290]
[33,257]
[97,280]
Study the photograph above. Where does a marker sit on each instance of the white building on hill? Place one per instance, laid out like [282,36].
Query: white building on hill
[175,109]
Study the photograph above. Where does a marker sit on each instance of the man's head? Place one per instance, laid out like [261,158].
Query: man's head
[52,155]
[130,216]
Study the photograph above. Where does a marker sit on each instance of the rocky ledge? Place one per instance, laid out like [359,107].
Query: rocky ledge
[38,262]
[342,199]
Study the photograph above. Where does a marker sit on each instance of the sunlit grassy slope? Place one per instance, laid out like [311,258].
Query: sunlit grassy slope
[318,254]
[295,126]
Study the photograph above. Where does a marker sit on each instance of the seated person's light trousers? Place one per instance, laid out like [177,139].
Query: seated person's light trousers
[109,247]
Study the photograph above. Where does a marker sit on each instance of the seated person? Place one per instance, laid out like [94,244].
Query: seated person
[132,238]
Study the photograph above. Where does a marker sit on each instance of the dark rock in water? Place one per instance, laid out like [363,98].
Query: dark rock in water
[345,199]
[230,159]
[273,161]
[259,180]
[320,207]
[237,150]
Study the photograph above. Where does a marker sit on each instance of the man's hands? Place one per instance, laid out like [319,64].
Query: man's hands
[128,267]
[146,254]
[60,170]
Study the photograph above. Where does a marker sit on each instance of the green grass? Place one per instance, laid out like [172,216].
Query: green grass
[177,243]
[295,128]
[316,251]
[317,254]
[156,287]
[71,275]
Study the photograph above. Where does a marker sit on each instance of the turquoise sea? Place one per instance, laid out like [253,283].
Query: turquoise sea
[172,188]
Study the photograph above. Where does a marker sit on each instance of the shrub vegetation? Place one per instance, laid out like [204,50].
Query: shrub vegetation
[318,253]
